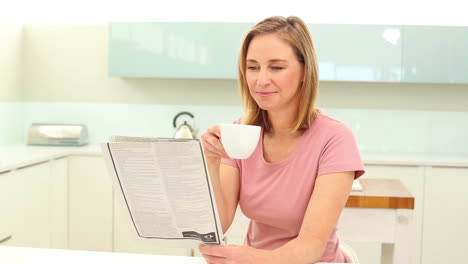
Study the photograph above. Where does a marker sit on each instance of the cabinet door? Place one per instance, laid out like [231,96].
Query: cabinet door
[10,208]
[175,49]
[413,179]
[358,52]
[33,219]
[125,236]
[435,54]
[445,227]
[90,204]
[59,203]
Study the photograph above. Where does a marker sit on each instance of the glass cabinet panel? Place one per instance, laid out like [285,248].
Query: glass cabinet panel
[435,54]
[358,52]
[175,49]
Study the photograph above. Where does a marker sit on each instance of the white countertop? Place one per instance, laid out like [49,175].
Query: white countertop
[17,156]
[24,255]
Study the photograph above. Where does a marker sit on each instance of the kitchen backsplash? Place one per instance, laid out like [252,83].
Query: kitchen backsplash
[375,130]
[11,123]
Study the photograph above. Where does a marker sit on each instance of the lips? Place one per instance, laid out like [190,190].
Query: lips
[266,93]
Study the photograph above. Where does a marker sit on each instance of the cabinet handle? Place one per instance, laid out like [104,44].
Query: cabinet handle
[3,240]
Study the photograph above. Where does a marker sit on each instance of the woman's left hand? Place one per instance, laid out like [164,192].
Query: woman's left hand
[234,254]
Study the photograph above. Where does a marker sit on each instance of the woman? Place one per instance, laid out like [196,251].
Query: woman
[297,181]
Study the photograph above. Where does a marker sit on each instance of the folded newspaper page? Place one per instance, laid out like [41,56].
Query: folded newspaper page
[165,187]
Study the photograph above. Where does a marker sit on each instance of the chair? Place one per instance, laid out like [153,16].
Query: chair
[348,252]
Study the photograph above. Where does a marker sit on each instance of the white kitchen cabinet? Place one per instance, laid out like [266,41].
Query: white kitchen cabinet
[32,217]
[90,204]
[33,204]
[9,207]
[413,178]
[59,203]
[125,236]
[445,228]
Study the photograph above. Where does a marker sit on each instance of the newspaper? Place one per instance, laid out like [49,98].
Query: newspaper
[165,187]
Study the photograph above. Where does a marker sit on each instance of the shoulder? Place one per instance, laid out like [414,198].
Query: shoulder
[327,131]
[330,126]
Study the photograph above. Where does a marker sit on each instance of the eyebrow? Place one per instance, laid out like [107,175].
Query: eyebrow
[272,60]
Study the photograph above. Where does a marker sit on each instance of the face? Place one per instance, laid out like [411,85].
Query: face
[274,74]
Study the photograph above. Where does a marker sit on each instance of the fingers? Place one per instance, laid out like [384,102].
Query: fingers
[216,130]
[213,251]
[214,259]
[211,148]
[213,254]
[223,254]
[212,144]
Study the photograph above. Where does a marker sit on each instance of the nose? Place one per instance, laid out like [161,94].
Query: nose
[263,78]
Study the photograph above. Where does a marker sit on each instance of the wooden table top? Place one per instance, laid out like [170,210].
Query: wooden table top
[381,193]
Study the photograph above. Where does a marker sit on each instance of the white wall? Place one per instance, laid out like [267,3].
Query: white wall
[414,12]
[10,61]
[10,81]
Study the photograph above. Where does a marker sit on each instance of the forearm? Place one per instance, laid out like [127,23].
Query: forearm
[213,168]
[300,250]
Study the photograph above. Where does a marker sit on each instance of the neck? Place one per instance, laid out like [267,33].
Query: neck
[282,123]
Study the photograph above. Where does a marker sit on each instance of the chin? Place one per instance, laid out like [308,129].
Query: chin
[265,107]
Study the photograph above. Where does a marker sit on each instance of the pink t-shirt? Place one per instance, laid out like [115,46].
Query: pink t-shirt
[275,195]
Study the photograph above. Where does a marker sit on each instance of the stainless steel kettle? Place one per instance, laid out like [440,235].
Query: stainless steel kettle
[185,130]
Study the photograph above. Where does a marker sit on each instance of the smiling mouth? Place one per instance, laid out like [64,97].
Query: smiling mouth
[266,93]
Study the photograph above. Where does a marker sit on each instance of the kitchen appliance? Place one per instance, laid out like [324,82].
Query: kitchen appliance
[58,134]
[185,130]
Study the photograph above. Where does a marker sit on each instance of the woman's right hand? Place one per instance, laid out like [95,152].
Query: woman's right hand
[212,145]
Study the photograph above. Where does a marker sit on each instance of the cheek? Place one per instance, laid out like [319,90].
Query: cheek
[291,80]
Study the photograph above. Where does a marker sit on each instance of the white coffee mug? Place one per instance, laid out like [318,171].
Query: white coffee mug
[239,141]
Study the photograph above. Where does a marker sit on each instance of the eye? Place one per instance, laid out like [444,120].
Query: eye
[252,68]
[277,68]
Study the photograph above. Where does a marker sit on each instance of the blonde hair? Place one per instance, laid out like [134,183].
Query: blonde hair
[297,34]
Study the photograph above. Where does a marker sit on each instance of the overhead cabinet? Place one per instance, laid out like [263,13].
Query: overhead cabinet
[175,50]
[435,54]
[358,52]
[369,53]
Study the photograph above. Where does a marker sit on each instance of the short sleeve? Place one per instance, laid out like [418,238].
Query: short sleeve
[340,153]
[231,162]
